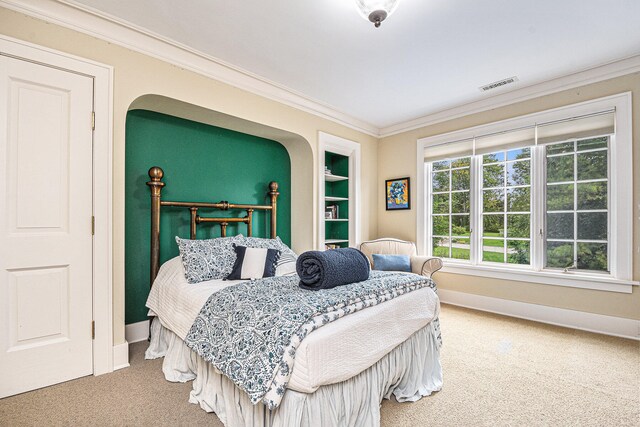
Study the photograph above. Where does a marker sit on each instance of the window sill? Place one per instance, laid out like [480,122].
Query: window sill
[574,280]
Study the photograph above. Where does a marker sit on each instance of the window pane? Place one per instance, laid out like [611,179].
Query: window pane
[560,197]
[460,179]
[462,161]
[518,173]
[460,249]
[560,169]
[520,153]
[560,225]
[493,250]
[592,195]
[493,200]
[493,176]
[441,203]
[592,225]
[492,158]
[493,225]
[592,165]
[519,199]
[460,225]
[440,247]
[518,225]
[451,182]
[589,196]
[559,254]
[565,147]
[442,164]
[592,256]
[593,143]
[518,252]
[441,225]
[440,181]
[460,202]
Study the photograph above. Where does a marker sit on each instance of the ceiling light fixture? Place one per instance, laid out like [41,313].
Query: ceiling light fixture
[376,11]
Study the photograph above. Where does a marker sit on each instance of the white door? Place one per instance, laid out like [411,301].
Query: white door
[46,282]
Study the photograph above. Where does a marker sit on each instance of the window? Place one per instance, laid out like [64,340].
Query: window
[535,195]
[506,206]
[577,214]
[451,207]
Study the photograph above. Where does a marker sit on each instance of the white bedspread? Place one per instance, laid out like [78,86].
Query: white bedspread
[328,355]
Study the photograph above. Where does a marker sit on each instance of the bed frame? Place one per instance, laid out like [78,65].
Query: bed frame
[155,184]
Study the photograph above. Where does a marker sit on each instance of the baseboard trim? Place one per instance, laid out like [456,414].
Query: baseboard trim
[121,356]
[598,323]
[136,332]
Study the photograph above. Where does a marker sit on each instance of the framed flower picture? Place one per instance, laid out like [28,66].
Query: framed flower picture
[397,192]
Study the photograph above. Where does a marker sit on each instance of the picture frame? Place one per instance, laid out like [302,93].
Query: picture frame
[398,194]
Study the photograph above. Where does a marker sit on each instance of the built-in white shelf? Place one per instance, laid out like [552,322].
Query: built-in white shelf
[339,167]
[333,178]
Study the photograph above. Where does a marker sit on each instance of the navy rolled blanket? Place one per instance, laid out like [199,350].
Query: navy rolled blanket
[331,268]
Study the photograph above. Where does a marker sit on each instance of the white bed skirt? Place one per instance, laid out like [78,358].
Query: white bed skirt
[410,371]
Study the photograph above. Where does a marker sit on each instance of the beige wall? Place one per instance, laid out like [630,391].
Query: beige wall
[397,158]
[136,75]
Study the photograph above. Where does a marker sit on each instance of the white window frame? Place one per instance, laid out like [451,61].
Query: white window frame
[619,278]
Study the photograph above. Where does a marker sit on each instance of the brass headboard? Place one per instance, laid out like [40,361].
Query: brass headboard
[156,184]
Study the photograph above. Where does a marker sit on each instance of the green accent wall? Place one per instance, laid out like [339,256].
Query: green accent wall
[200,163]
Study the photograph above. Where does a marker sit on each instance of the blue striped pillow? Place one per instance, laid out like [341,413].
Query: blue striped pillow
[253,263]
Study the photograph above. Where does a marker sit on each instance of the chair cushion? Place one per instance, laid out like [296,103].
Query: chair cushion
[387,262]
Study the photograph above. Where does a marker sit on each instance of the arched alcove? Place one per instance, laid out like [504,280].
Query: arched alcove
[252,151]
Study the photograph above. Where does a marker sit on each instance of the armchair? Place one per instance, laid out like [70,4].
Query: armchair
[422,265]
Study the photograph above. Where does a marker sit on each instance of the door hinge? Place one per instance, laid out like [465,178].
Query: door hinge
[93,329]
[93,225]
[93,120]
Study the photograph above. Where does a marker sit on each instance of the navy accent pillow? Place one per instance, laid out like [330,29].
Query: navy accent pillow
[391,262]
[253,263]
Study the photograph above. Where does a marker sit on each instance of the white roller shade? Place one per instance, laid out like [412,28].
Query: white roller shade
[516,138]
[449,150]
[577,127]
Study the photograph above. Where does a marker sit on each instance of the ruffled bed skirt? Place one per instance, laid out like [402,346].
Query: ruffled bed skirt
[410,371]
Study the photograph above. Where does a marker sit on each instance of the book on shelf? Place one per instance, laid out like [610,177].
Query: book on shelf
[331,212]
[331,246]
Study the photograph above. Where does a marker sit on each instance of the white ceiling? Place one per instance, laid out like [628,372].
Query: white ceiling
[428,56]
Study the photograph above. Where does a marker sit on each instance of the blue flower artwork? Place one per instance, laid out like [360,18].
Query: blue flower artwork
[397,192]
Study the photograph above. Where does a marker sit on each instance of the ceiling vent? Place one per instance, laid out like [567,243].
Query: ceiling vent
[498,84]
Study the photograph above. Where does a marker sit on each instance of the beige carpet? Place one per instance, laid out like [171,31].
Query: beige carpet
[497,371]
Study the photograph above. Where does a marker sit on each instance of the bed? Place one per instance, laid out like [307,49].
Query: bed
[337,375]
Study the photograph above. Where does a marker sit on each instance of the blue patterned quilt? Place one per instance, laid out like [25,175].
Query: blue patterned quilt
[250,331]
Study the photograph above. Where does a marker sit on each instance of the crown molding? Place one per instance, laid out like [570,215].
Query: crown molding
[114,30]
[83,19]
[581,78]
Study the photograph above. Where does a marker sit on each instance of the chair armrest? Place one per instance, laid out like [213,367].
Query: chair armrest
[425,265]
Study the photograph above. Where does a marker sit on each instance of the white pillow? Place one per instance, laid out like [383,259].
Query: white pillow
[286,265]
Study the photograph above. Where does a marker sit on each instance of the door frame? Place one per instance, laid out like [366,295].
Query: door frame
[103,348]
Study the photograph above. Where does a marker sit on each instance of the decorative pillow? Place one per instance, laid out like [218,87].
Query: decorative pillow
[207,259]
[391,262]
[253,263]
[286,263]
